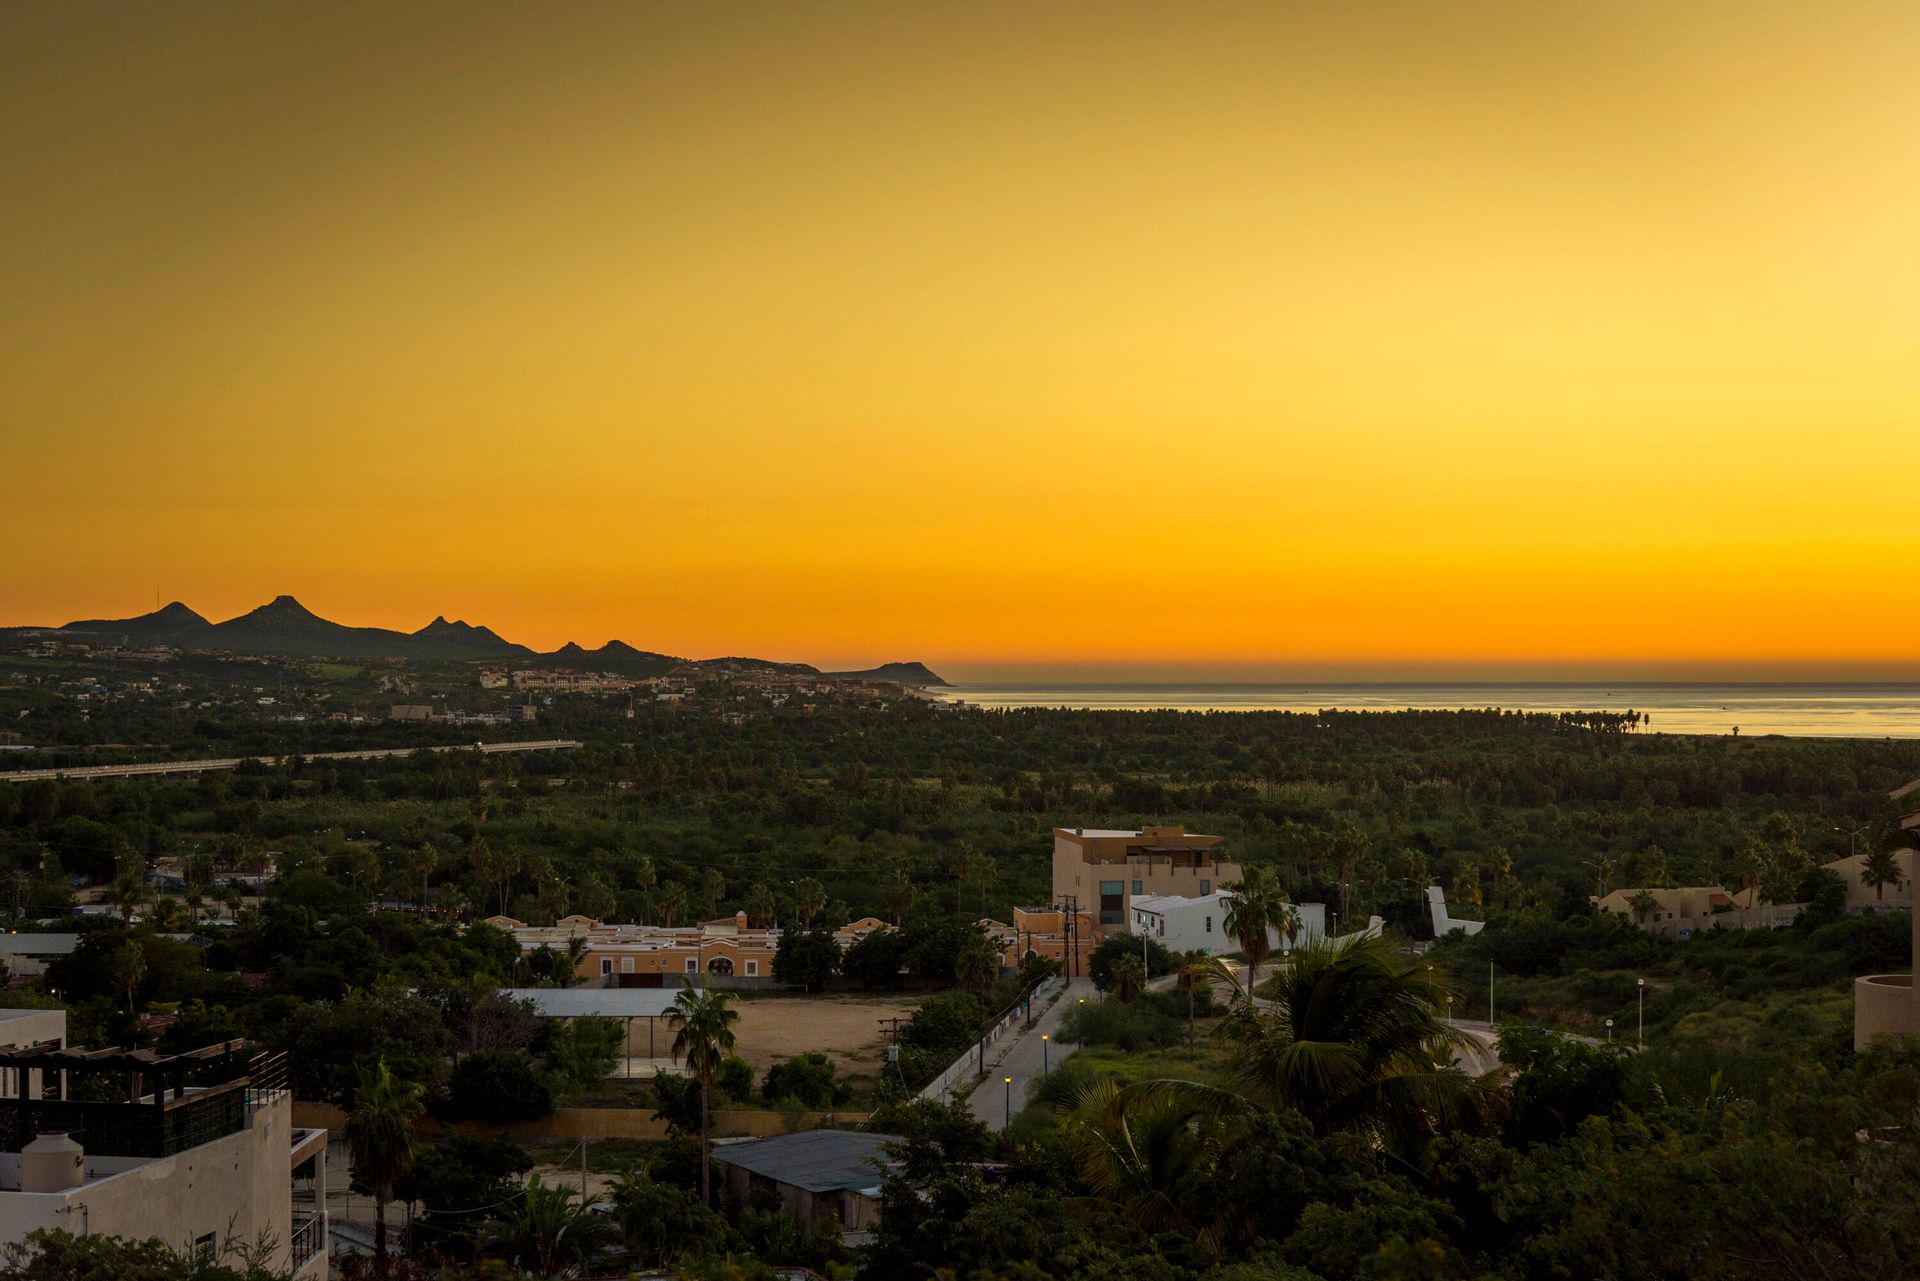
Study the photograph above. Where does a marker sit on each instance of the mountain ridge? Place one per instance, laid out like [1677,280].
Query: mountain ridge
[286,627]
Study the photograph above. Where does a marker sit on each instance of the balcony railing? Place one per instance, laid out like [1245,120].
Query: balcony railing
[309,1238]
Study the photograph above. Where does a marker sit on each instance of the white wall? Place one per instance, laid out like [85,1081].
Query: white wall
[235,1187]
[1199,925]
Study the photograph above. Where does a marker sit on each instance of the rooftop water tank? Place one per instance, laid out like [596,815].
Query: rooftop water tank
[52,1163]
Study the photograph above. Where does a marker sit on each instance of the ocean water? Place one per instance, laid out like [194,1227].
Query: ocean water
[1829,711]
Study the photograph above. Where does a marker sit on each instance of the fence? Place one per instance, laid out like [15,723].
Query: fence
[599,1123]
[973,1063]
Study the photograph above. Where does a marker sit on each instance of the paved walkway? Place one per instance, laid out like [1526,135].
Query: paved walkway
[1022,1058]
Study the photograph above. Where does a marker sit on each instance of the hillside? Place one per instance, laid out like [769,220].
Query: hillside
[284,626]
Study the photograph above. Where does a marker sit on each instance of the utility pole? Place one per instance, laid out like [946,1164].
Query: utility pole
[1070,911]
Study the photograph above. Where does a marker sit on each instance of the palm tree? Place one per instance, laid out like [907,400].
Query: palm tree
[673,901]
[900,895]
[1881,869]
[760,903]
[1140,1147]
[380,1139]
[976,964]
[809,899]
[549,1233]
[129,967]
[1201,972]
[645,877]
[1254,906]
[576,953]
[1355,1039]
[704,1041]
[713,887]
[1128,978]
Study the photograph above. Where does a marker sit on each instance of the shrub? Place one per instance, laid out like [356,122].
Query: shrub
[498,1086]
[805,1078]
[1143,1025]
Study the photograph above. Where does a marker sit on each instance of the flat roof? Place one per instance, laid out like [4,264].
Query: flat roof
[38,944]
[606,1002]
[814,1160]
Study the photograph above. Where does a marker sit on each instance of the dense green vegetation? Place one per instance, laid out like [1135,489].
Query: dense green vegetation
[333,905]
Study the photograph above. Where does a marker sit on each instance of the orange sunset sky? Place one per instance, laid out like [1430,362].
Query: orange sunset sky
[1412,337]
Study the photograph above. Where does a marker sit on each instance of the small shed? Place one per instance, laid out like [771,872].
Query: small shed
[812,1173]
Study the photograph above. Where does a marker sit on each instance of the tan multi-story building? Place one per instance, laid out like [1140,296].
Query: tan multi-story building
[1103,869]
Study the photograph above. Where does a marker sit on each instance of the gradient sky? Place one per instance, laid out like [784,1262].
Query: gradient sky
[1577,337]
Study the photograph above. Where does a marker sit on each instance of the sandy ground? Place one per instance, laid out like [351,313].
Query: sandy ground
[850,1030]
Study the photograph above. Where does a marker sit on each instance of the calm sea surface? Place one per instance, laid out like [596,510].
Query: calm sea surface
[1843,711]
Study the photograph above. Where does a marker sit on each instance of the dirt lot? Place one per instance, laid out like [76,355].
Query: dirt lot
[847,1029]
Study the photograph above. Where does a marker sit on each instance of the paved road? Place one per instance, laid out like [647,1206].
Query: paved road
[1023,1058]
[234,762]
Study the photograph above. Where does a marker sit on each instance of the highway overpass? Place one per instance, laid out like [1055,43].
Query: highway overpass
[234,762]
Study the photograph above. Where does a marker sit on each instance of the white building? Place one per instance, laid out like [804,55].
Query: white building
[1199,924]
[200,1152]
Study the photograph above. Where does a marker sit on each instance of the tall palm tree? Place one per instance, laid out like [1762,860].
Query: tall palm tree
[760,903]
[1255,905]
[1139,1147]
[900,895]
[809,899]
[977,963]
[129,968]
[705,1038]
[1127,979]
[549,1233]
[672,902]
[380,1139]
[576,953]
[1355,1039]
[1881,869]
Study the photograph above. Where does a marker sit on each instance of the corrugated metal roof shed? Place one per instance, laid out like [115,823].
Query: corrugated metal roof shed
[813,1160]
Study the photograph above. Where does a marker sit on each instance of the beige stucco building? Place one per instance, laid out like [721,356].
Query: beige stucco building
[726,948]
[1104,869]
[1862,897]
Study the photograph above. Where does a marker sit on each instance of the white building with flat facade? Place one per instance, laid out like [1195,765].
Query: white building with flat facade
[1198,924]
[198,1150]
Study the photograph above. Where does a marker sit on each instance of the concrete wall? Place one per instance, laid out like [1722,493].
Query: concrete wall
[1882,1006]
[599,1123]
[1184,926]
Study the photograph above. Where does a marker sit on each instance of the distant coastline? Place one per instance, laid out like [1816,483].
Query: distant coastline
[1801,709]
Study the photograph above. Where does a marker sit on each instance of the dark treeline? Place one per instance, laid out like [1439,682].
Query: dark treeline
[677,811]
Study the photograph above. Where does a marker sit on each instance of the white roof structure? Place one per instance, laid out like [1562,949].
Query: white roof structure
[602,1002]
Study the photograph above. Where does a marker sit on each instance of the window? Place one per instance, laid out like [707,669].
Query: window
[693,966]
[1112,899]
[753,968]
[606,965]
[204,1248]
[1209,925]
[1136,888]
[1206,888]
[626,965]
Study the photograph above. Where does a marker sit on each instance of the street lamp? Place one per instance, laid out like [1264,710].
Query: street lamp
[1043,1054]
[1640,990]
[1852,835]
[1609,1029]
[1009,1121]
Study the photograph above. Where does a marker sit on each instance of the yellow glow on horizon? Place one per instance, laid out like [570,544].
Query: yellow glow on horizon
[1225,333]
